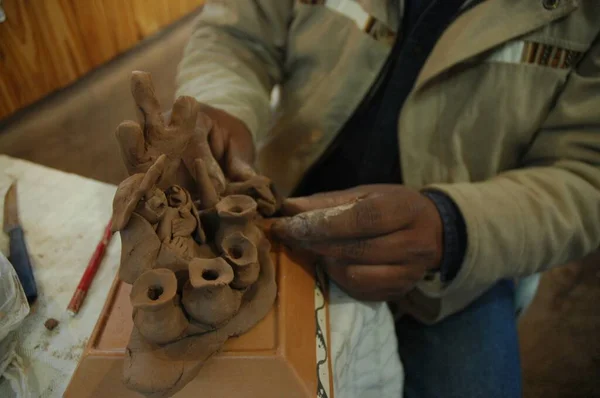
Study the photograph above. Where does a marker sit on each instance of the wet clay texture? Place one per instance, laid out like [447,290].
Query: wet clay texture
[192,250]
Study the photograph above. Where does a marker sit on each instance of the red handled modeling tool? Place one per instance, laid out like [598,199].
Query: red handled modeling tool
[90,272]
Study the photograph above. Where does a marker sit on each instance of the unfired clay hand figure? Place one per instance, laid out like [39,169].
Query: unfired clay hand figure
[199,265]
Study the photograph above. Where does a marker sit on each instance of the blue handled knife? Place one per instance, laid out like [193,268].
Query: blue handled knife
[19,257]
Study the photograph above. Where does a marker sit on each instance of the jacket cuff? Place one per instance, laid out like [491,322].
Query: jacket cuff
[488,248]
[454,234]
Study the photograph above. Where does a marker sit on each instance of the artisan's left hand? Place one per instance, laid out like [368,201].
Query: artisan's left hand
[377,241]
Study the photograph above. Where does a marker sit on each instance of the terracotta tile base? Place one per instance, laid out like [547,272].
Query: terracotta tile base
[277,358]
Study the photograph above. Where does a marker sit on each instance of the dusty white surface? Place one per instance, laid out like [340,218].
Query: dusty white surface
[63,216]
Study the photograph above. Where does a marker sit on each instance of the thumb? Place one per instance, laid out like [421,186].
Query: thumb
[293,206]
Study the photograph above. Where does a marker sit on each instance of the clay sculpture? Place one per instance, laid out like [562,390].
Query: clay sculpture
[199,264]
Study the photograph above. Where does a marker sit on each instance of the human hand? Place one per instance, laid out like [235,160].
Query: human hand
[232,145]
[376,241]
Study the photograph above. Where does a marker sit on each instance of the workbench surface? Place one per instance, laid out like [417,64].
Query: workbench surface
[63,216]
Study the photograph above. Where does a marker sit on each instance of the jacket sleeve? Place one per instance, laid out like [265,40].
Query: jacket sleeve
[235,57]
[544,214]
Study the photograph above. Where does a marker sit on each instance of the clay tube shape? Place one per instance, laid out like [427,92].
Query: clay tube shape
[157,315]
[242,255]
[207,297]
[236,214]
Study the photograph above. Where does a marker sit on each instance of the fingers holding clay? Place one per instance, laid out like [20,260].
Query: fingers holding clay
[238,169]
[184,114]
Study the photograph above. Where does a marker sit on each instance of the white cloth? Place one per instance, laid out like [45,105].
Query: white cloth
[63,216]
[13,309]
[363,348]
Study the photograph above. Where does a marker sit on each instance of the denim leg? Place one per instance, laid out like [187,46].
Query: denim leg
[473,353]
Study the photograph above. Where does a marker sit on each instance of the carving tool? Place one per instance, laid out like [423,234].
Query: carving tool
[19,257]
[90,272]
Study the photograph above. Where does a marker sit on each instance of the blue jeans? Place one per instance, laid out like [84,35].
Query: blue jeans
[471,354]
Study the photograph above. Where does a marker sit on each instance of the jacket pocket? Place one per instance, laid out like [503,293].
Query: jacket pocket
[535,53]
[353,11]
[480,121]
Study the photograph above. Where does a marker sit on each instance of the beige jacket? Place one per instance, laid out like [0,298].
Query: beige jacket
[504,117]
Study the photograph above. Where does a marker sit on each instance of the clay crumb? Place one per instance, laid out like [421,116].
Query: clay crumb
[51,323]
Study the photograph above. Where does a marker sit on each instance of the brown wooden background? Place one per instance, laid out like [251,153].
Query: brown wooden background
[48,44]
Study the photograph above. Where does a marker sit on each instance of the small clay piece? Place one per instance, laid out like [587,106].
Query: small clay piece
[51,324]
[199,264]
[156,311]
[242,254]
[208,297]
